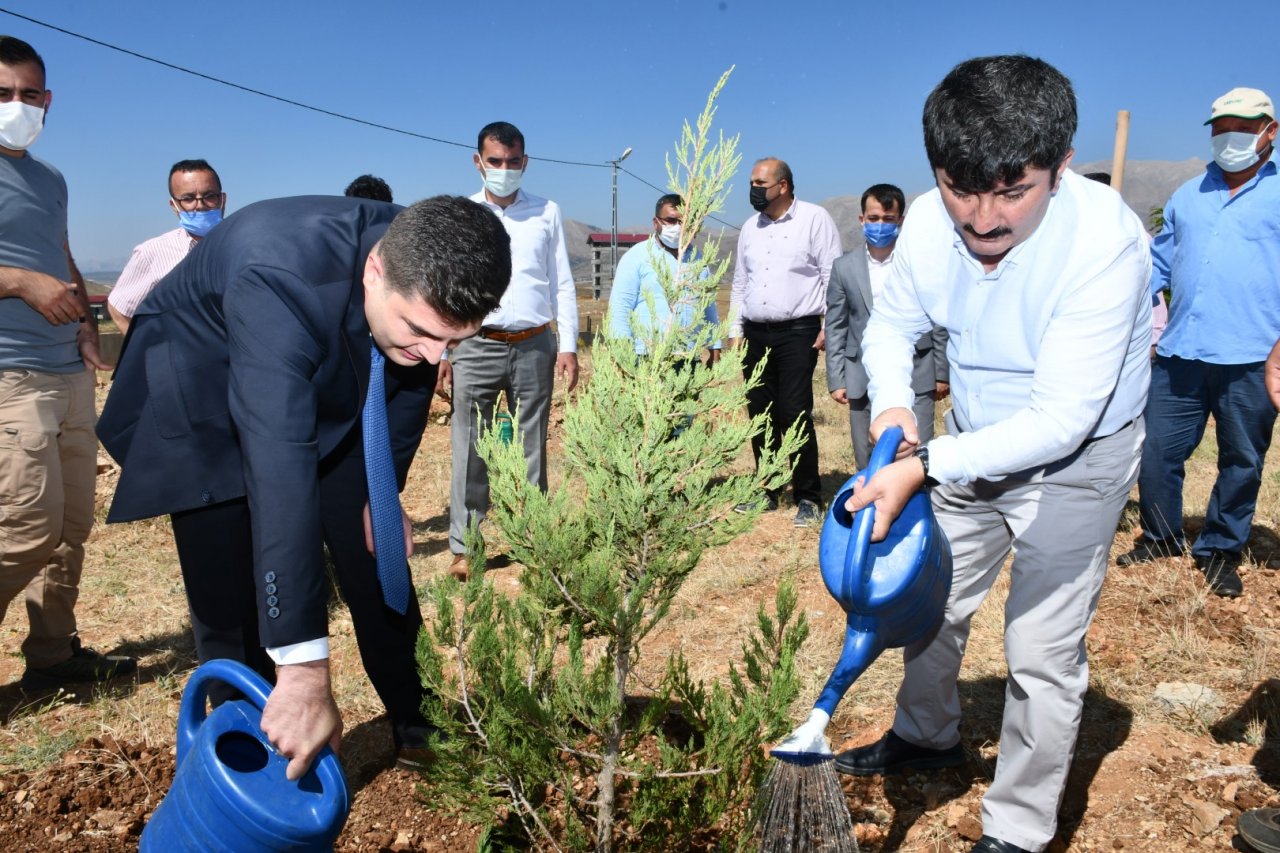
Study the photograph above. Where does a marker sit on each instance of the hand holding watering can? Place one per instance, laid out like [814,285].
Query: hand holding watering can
[890,487]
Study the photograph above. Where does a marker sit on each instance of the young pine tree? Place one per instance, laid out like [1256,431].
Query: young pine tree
[563,740]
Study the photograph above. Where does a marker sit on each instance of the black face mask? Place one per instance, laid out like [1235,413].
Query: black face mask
[758,198]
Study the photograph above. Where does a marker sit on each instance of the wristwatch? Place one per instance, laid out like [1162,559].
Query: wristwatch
[922,453]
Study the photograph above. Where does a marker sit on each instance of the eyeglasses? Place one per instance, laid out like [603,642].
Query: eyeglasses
[191,201]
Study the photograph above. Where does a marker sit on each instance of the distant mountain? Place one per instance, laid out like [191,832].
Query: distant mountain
[1147,184]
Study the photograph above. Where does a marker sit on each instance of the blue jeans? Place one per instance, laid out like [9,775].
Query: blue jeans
[1183,395]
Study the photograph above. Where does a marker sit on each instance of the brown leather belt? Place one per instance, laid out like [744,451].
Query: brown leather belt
[505,337]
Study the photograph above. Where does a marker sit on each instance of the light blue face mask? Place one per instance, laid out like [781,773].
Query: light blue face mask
[880,234]
[198,223]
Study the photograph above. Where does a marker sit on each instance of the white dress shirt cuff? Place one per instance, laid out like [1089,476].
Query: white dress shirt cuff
[304,652]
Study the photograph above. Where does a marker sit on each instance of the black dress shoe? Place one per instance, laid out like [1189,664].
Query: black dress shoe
[1261,828]
[1148,550]
[892,754]
[1219,569]
[987,844]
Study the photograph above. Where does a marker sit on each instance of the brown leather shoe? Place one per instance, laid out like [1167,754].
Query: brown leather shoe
[460,568]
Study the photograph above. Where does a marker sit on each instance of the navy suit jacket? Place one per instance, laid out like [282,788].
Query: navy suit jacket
[848,310]
[243,371]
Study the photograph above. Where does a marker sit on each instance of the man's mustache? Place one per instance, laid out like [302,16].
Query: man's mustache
[993,234]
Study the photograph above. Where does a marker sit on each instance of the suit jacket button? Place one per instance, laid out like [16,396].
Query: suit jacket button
[273,612]
[206,496]
[269,577]
[271,590]
[272,600]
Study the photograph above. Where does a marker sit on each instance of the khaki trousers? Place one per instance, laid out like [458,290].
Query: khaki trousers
[1059,521]
[48,468]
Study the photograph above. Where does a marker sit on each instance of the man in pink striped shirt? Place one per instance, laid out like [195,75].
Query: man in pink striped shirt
[197,199]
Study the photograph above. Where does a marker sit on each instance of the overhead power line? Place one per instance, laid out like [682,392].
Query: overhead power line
[220,81]
[299,104]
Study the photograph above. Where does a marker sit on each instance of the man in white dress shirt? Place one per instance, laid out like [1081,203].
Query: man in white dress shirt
[197,199]
[516,351]
[1039,276]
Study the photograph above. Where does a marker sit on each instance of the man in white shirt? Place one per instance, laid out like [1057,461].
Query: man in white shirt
[779,295]
[857,281]
[197,199]
[1039,276]
[516,352]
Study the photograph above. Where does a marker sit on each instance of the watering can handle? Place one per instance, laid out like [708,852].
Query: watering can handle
[855,557]
[233,673]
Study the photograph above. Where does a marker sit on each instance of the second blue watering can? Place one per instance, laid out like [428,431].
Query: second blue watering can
[230,792]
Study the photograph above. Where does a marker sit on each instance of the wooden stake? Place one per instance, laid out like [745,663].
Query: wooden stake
[1122,144]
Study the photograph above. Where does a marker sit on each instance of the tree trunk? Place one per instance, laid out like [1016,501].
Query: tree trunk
[605,799]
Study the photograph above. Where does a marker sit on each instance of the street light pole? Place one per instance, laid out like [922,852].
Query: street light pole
[613,237]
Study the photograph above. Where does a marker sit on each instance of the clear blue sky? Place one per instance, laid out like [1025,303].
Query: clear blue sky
[835,88]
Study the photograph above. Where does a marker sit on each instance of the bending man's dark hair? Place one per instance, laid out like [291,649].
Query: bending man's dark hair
[994,117]
[889,196]
[504,131]
[15,51]
[1100,177]
[672,199]
[450,252]
[194,166]
[368,186]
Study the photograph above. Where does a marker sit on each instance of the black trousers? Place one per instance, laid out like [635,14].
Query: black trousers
[786,392]
[215,548]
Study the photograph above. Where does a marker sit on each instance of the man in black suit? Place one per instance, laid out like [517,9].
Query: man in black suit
[857,278]
[236,410]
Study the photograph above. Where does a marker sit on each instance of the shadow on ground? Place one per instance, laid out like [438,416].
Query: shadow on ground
[1104,728]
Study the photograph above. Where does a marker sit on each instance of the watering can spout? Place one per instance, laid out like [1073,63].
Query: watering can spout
[862,645]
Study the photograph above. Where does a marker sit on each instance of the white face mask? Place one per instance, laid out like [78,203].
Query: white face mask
[502,182]
[1235,152]
[670,236]
[20,124]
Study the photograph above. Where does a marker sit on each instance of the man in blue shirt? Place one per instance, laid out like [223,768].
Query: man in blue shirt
[636,286]
[1219,253]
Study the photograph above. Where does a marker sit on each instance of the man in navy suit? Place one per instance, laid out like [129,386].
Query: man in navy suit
[236,410]
[857,279]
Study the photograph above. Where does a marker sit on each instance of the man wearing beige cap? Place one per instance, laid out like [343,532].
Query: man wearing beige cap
[1219,251]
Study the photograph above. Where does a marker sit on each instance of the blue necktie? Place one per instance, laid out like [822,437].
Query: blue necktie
[384,496]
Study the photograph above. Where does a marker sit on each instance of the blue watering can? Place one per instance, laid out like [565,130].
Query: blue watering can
[230,792]
[892,591]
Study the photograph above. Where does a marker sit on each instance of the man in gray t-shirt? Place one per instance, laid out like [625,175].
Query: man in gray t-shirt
[48,352]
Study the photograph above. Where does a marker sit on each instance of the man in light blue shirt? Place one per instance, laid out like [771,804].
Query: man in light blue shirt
[1219,254]
[1040,278]
[636,286]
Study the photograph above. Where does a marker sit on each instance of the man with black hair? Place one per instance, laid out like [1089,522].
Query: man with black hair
[636,283]
[858,278]
[1040,278]
[779,295]
[1219,253]
[516,352]
[253,407]
[370,187]
[197,199]
[48,354]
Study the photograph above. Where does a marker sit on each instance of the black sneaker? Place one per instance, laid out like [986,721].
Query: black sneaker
[1220,573]
[808,514]
[1151,549]
[84,666]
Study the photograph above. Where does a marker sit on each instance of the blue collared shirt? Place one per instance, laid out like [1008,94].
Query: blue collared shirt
[1220,256]
[635,281]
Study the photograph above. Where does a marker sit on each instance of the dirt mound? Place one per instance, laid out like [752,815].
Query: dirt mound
[103,792]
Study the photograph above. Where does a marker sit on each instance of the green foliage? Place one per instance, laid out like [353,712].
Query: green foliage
[544,721]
